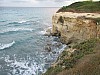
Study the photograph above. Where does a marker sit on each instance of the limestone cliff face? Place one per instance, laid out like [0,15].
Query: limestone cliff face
[75,27]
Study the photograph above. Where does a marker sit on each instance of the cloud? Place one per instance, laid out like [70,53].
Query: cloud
[35,3]
[18,1]
[24,1]
[62,0]
[1,0]
[55,0]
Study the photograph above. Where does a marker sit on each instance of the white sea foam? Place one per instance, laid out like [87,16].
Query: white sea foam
[27,67]
[62,49]
[15,29]
[24,67]
[23,21]
[45,31]
[3,46]
[18,22]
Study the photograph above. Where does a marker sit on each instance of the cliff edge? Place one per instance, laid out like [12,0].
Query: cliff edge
[78,26]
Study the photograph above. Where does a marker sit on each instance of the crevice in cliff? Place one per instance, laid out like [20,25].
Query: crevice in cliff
[60,20]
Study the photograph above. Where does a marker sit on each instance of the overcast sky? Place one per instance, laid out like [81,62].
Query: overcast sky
[36,3]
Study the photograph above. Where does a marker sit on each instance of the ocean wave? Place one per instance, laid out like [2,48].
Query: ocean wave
[13,23]
[18,22]
[24,67]
[3,21]
[46,31]
[22,21]
[15,29]
[43,32]
[4,46]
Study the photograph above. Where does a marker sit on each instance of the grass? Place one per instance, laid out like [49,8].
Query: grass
[85,6]
[86,46]
[83,49]
[53,70]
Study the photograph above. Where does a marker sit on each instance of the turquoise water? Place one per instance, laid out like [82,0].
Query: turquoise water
[22,43]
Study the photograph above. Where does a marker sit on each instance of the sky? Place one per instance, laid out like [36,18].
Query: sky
[35,3]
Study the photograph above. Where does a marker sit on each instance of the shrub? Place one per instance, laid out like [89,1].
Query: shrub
[85,6]
[83,48]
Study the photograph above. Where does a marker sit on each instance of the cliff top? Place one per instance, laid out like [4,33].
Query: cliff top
[85,7]
[76,15]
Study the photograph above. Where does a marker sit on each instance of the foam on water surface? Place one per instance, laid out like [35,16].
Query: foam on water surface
[24,67]
[27,32]
[30,66]
[23,21]
[45,31]
[4,46]
[18,22]
[15,29]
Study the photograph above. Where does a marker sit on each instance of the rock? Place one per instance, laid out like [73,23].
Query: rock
[54,52]
[47,48]
[70,51]
[75,27]
[57,44]
[48,32]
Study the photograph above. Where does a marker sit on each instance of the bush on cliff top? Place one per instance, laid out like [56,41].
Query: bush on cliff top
[85,6]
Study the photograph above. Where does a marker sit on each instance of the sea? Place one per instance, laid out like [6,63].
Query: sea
[22,41]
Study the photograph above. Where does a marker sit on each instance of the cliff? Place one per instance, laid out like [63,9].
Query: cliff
[76,27]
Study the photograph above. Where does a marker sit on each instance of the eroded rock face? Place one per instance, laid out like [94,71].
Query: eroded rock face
[75,27]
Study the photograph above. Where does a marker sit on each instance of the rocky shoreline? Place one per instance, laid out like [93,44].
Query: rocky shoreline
[81,32]
[73,29]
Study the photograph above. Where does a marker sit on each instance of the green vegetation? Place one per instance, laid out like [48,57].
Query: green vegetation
[53,70]
[85,6]
[66,63]
[86,47]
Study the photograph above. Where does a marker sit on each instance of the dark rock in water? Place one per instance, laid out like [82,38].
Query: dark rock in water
[49,44]
[55,39]
[54,52]
[57,44]
[48,48]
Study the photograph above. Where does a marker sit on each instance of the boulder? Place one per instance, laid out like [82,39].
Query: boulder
[48,48]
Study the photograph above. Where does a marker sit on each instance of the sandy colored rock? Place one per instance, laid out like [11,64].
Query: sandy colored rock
[75,27]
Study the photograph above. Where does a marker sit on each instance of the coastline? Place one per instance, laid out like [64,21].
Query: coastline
[81,32]
[71,60]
